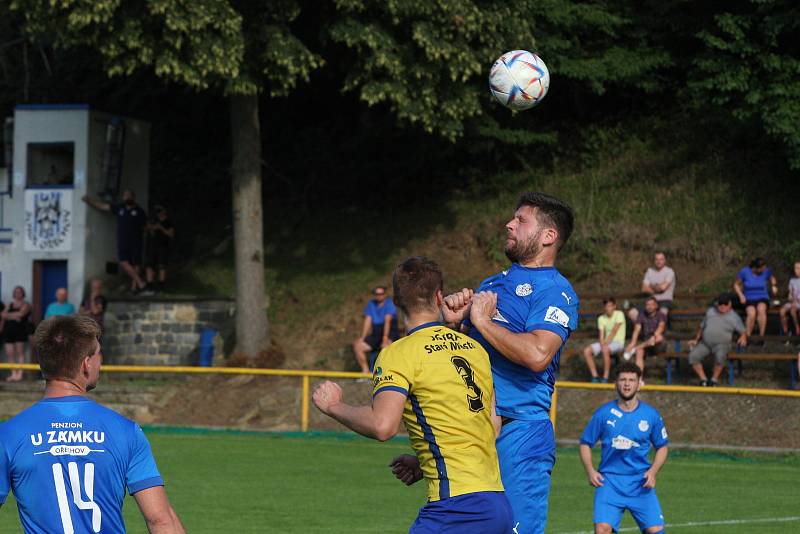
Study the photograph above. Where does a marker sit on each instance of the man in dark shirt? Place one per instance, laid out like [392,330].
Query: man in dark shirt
[94,305]
[650,327]
[131,221]
[160,235]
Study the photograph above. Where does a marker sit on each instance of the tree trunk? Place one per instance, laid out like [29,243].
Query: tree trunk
[252,335]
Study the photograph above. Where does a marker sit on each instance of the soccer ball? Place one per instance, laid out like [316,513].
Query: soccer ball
[519,79]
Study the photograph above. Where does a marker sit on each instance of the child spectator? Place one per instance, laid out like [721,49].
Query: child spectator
[161,234]
[611,339]
[792,303]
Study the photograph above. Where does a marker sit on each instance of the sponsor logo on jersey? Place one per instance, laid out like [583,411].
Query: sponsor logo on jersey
[556,315]
[566,297]
[621,443]
[523,290]
[611,422]
[643,426]
[378,371]
[616,412]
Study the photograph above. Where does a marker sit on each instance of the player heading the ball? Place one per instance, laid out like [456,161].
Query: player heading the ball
[439,382]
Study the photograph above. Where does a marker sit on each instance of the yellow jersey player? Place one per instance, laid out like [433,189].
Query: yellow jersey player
[440,383]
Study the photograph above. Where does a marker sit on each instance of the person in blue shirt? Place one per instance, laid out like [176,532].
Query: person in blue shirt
[379,328]
[61,306]
[523,317]
[625,479]
[69,460]
[753,286]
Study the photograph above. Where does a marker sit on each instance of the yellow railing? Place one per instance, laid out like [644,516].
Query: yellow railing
[306,375]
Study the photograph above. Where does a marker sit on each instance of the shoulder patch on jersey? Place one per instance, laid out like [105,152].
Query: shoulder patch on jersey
[616,412]
[523,290]
[663,432]
[643,425]
[556,315]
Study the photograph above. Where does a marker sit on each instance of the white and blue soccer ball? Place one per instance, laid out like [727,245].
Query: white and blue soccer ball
[519,79]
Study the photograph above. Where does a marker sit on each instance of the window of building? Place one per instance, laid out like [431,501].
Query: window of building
[50,164]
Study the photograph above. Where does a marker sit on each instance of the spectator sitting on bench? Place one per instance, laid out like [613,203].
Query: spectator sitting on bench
[714,337]
[792,303]
[379,329]
[611,339]
[650,327]
[753,286]
[659,282]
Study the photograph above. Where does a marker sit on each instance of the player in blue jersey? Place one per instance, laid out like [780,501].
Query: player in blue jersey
[625,478]
[522,317]
[67,459]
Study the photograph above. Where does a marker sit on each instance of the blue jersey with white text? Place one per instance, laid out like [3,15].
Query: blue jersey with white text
[625,437]
[68,461]
[528,299]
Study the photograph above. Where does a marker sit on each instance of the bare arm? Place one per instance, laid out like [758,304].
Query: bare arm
[379,421]
[169,232]
[158,514]
[366,327]
[97,203]
[595,478]
[658,462]
[737,287]
[635,336]
[387,327]
[658,335]
[534,350]
[20,313]
[611,335]
[773,284]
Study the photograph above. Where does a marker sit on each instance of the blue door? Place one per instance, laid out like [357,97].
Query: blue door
[54,275]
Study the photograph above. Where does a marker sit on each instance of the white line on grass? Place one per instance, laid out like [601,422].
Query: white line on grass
[692,524]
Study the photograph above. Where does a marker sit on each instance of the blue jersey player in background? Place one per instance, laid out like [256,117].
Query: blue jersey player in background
[625,479]
[69,460]
[523,317]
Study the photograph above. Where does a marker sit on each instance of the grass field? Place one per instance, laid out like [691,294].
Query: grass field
[249,482]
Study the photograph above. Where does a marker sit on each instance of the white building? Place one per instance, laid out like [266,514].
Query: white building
[54,155]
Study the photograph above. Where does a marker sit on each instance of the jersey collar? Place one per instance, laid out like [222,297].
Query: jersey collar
[424,325]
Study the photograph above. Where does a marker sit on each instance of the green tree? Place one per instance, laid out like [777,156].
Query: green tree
[241,48]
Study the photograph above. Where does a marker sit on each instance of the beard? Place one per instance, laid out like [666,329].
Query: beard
[624,397]
[522,251]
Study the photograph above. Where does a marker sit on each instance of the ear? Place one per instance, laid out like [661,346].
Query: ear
[85,366]
[439,298]
[549,237]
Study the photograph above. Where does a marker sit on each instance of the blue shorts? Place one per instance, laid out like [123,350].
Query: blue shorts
[484,512]
[621,492]
[527,452]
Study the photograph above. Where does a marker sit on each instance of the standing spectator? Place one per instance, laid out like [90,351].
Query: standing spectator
[714,337]
[650,327]
[659,282]
[625,479]
[753,285]
[60,306]
[95,304]
[161,234]
[611,339]
[792,303]
[16,324]
[131,221]
[379,328]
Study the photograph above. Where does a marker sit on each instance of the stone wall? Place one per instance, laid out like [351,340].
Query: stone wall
[164,331]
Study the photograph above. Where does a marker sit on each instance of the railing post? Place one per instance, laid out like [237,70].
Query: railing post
[304,404]
[554,407]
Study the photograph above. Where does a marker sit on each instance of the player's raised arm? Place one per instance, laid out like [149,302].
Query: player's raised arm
[157,511]
[379,421]
[534,350]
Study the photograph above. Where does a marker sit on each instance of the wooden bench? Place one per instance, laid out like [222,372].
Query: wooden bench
[764,357]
